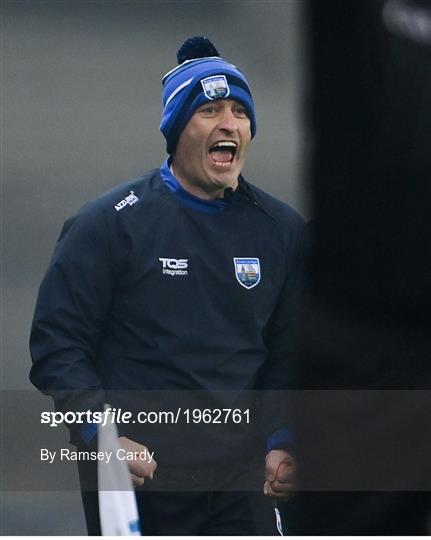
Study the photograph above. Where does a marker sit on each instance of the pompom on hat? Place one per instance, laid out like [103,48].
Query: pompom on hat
[201,76]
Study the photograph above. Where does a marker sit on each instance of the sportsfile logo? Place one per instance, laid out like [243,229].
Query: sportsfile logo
[130,200]
[174,267]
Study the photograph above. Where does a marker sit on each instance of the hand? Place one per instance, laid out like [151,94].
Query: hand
[139,468]
[280,471]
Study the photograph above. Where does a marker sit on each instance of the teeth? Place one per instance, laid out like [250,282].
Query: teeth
[225,143]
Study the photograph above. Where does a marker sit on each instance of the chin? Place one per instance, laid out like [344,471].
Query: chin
[226,178]
[225,182]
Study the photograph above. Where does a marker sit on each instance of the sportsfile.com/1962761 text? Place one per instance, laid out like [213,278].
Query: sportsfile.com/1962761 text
[118,416]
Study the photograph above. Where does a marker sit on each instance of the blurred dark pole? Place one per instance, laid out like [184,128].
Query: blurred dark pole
[371,176]
[366,322]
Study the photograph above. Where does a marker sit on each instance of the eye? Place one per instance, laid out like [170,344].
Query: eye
[207,109]
[240,111]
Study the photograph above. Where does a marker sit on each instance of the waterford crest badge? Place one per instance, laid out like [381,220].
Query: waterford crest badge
[215,87]
[247,271]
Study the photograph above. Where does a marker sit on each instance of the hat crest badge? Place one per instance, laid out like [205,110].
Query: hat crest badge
[215,87]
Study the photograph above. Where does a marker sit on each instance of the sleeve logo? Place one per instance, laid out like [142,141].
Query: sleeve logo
[130,200]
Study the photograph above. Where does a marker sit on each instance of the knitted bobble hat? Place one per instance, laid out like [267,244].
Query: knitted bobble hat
[201,76]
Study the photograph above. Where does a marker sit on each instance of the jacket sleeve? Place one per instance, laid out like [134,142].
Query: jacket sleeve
[71,310]
[279,337]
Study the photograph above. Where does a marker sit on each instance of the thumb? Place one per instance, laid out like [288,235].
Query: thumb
[270,470]
[284,472]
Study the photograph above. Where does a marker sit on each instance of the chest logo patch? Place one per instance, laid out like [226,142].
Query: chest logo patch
[247,271]
[174,267]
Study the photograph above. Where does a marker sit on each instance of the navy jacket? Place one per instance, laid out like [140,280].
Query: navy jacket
[143,292]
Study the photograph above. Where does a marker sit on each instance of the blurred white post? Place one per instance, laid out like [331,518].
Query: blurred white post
[117,502]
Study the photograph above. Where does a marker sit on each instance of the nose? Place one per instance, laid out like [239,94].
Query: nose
[227,121]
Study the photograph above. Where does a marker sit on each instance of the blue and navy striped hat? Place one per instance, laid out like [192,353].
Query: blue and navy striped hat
[201,76]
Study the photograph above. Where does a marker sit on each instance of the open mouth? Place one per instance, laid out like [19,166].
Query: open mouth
[223,153]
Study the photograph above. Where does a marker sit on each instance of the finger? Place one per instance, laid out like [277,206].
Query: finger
[285,472]
[281,487]
[270,469]
[137,481]
[284,494]
[142,468]
[149,469]
[153,466]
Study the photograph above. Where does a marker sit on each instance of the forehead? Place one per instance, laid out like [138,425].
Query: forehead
[222,102]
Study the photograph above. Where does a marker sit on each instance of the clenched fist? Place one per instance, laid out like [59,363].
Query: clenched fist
[139,468]
[280,471]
